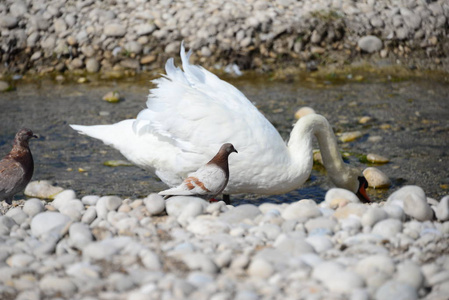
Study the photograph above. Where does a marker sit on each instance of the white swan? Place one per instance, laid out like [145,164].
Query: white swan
[190,114]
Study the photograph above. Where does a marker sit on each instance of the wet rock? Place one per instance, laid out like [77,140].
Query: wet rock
[376,178]
[303,111]
[370,43]
[42,189]
[350,136]
[378,159]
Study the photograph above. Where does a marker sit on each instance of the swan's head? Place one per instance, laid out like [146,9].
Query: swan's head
[354,181]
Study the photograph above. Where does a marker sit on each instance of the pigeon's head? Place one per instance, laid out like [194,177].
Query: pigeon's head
[228,148]
[24,135]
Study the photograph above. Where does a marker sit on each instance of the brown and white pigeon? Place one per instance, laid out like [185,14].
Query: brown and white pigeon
[16,168]
[209,180]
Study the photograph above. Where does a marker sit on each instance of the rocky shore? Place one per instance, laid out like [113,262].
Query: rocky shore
[104,247]
[125,37]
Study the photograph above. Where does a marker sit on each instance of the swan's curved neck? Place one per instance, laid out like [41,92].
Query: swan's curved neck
[301,146]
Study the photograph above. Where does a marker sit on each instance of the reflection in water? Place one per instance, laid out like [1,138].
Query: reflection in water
[410,119]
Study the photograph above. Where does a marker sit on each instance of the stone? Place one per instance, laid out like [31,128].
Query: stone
[240,213]
[42,189]
[347,137]
[114,30]
[393,290]
[63,198]
[52,285]
[89,215]
[133,47]
[148,59]
[414,202]
[106,248]
[376,158]
[49,223]
[320,243]
[20,260]
[376,178]
[293,245]
[351,209]
[370,43]
[442,210]
[302,209]
[92,65]
[373,215]
[18,8]
[4,86]
[388,228]
[8,21]
[304,111]
[33,206]
[200,261]
[337,197]
[260,268]
[175,205]
[336,279]
[6,223]
[394,212]
[106,204]
[90,199]
[409,273]
[150,260]
[80,235]
[155,204]
[17,214]
[144,29]
[192,210]
[112,97]
[372,266]
[320,225]
[206,225]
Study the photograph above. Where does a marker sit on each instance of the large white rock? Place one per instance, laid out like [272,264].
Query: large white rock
[63,197]
[414,202]
[49,223]
[302,209]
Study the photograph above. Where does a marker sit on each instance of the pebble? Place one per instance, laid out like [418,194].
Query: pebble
[409,273]
[414,202]
[112,97]
[260,268]
[369,43]
[442,210]
[303,209]
[303,111]
[388,228]
[378,159]
[376,178]
[106,204]
[80,235]
[240,213]
[49,223]
[20,260]
[373,215]
[155,204]
[177,204]
[33,206]
[350,136]
[4,86]
[336,278]
[17,214]
[393,290]
[90,199]
[53,285]
[42,189]
[337,197]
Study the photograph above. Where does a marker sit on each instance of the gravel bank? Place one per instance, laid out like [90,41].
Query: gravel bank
[132,36]
[94,247]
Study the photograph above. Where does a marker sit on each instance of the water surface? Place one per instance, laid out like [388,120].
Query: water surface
[411,119]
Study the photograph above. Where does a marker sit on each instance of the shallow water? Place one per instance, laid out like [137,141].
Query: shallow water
[411,117]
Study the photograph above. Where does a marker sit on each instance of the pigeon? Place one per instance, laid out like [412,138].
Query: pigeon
[16,168]
[209,180]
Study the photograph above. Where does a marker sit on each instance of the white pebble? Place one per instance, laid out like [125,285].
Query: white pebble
[155,204]
[410,273]
[336,278]
[89,215]
[320,225]
[414,202]
[336,197]
[388,228]
[375,269]
[292,245]
[20,260]
[376,178]
[260,268]
[90,199]
[63,197]
[394,212]
[207,225]
[106,204]
[393,290]
[301,209]
[17,215]
[442,210]
[80,235]
[177,204]
[150,260]
[373,215]
[199,261]
[51,285]
[106,248]
[240,213]
[33,206]
[192,210]
[49,223]
[320,243]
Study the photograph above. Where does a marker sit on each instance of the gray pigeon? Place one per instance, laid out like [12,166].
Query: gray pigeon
[16,168]
[209,180]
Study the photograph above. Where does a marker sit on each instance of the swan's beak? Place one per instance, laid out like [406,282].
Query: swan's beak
[361,193]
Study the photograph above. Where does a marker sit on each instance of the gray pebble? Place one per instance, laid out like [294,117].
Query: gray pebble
[393,290]
[33,206]
[17,214]
[370,43]
[155,204]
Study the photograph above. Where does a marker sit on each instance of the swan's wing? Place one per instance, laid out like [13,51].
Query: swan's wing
[199,112]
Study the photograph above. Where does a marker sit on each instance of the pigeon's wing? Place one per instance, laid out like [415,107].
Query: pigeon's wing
[11,173]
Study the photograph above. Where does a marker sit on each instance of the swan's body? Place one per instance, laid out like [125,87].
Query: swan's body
[190,114]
